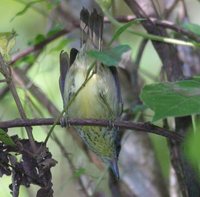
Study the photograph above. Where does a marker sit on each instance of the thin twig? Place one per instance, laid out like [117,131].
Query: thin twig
[38,94]
[140,52]
[41,97]
[169,10]
[161,23]
[3,81]
[4,90]
[70,161]
[37,47]
[185,9]
[88,77]
[7,74]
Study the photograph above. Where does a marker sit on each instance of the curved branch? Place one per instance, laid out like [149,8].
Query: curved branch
[139,126]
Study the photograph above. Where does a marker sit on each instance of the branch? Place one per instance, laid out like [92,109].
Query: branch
[123,19]
[139,126]
[37,47]
[160,23]
[7,74]
[169,10]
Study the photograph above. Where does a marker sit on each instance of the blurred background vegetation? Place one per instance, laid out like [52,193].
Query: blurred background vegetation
[33,23]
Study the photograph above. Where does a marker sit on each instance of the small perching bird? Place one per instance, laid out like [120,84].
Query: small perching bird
[91,90]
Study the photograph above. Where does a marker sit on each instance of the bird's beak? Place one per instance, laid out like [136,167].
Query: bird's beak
[114,167]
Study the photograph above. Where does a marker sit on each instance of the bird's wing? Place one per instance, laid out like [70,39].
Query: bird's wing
[73,54]
[64,67]
[118,89]
[65,63]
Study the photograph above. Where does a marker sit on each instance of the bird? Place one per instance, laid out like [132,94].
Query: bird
[91,90]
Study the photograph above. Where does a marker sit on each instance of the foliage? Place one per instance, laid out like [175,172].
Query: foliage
[110,57]
[166,99]
[26,8]
[175,99]
[5,138]
[195,28]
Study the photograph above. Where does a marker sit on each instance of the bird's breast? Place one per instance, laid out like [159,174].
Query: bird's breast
[87,103]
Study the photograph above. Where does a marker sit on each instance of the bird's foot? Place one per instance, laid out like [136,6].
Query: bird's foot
[111,124]
[63,122]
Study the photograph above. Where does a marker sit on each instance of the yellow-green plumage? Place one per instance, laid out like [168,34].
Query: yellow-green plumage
[98,99]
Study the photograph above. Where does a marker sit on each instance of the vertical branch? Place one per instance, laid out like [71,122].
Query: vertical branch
[173,68]
[166,52]
[7,74]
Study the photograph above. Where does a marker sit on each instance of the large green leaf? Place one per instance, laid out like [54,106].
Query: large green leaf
[173,99]
[5,138]
[110,57]
[195,28]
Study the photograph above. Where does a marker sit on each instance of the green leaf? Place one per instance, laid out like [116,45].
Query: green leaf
[29,59]
[173,99]
[38,39]
[5,138]
[195,28]
[52,4]
[124,28]
[110,57]
[7,42]
[25,9]
[55,29]
[80,171]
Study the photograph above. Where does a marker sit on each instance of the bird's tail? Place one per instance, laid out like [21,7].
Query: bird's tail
[91,26]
